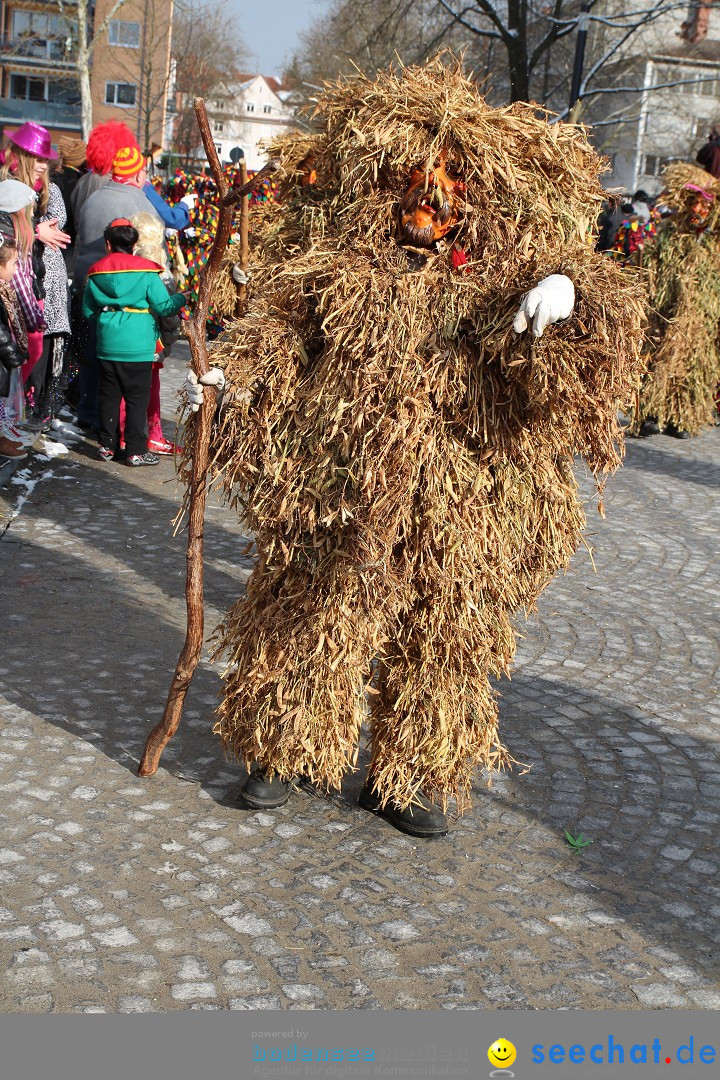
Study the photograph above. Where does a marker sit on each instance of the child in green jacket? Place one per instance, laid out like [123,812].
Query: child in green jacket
[125,295]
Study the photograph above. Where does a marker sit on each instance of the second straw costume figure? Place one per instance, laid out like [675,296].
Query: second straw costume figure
[679,392]
[403,457]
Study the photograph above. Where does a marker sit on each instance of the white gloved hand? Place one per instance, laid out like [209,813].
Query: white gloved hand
[552,299]
[194,386]
[240,276]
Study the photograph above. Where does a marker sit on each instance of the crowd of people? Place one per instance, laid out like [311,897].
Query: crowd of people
[627,224]
[90,298]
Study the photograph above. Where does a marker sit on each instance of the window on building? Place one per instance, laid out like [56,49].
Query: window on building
[64,90]
[23,88]
[38,24]
[41,35]
[29,24]
[125,34]
[120,93]
[701,127]
[218,127]
[267,108]
[218,147]
[250,106]
[651,166]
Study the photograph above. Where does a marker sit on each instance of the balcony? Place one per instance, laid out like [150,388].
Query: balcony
[57,114]
[36,50]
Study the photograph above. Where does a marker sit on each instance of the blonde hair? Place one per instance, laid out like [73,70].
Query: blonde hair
[151,239]
[20,165]
[24,231]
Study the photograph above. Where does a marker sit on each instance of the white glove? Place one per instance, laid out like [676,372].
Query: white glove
[552,299]
[194,386]
[240,276]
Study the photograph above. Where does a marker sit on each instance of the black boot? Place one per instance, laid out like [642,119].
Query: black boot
[259,793]
[649,426]
[422,818]
[676,432]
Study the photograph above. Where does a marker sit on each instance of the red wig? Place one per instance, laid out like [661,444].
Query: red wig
[104,142]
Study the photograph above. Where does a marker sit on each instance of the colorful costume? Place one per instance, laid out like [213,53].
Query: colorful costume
[632,236]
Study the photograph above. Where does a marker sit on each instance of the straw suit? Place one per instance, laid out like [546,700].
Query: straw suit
[398,431]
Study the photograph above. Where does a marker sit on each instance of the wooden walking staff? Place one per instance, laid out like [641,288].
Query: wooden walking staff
[244,251]
[196,332]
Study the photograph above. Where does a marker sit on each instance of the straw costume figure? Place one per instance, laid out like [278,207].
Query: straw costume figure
[678,394]
[398,431]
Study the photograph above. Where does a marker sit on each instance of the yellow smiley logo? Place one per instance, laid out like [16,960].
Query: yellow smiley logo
[502,1053]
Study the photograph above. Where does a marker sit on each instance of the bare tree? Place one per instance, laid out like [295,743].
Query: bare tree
[81,17]
[156,71]
[207,50]
[365,34]
[524,49]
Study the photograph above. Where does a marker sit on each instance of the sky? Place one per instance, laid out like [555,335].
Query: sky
[270,29]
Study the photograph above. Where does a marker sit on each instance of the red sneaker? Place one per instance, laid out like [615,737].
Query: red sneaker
[163,446]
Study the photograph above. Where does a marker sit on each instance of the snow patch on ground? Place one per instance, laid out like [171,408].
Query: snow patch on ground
[22,479]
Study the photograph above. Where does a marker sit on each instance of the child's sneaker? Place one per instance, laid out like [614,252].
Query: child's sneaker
[163,446]
[134,460]
[105,453]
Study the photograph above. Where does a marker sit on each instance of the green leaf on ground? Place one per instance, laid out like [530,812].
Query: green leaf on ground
[577,843]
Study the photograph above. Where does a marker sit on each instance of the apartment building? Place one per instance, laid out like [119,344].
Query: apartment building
[130,65]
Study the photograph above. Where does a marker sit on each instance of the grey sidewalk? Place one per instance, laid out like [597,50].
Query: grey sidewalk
[121,894]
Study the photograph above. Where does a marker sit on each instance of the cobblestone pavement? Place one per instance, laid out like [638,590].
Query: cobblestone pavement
[125,895]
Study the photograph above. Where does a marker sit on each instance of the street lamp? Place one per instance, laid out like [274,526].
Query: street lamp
[582,29]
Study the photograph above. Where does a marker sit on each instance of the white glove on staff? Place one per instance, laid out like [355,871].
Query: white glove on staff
[240,276]
[194,386]
[552,299]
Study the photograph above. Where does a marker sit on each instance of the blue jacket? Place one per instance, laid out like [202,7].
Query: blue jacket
[174,217]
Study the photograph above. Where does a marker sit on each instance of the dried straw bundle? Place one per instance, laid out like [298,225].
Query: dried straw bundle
[403,459]
[684,301]
[224,293]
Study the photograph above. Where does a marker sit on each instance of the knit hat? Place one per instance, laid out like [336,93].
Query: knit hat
[127,163]
[72,151]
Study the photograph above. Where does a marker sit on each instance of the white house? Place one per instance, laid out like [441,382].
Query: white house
[249,110]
